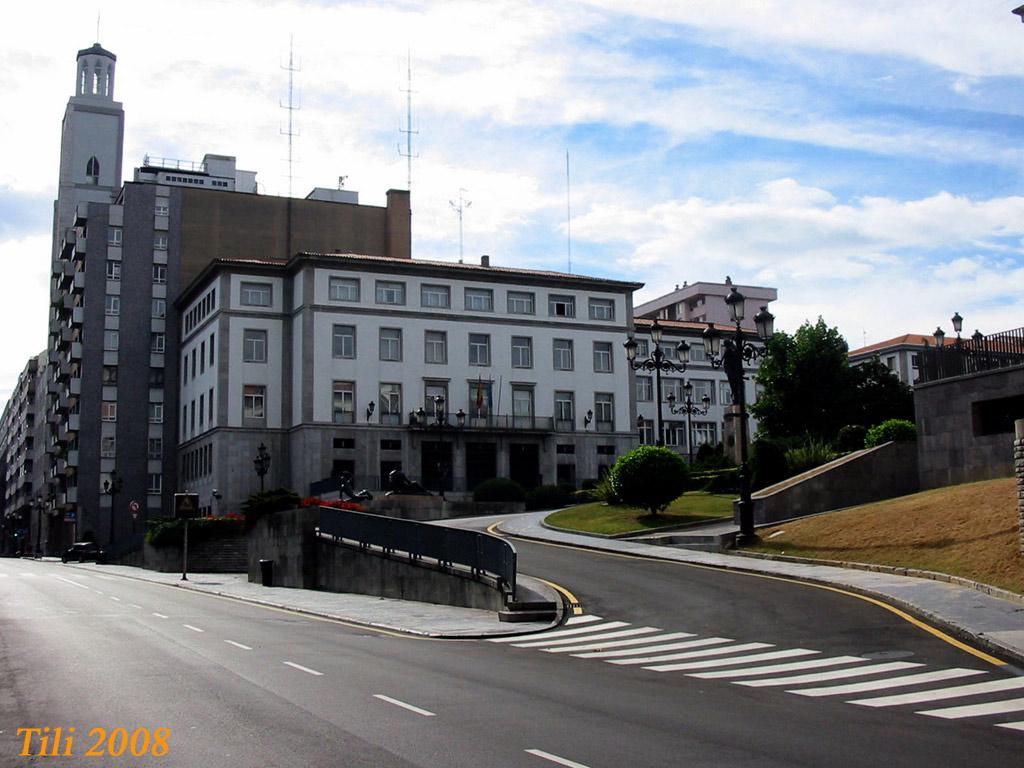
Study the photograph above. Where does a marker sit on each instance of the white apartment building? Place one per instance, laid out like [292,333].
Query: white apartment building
[901,355]
[344,362]
[703,302]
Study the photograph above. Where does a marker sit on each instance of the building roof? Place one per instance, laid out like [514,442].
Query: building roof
[907,339]
[97,49]
[643,324]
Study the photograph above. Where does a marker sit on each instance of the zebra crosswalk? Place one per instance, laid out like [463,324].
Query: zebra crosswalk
[799,671]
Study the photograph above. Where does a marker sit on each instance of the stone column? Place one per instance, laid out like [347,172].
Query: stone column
[1018,465]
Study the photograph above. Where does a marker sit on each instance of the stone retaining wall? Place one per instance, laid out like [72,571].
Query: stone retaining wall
[1018,464]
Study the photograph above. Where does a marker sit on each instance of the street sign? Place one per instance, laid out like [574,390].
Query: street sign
[186,505]
[70,517]
[134,507]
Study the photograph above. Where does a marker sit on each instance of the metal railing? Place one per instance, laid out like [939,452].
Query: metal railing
[972,355]
[482,553]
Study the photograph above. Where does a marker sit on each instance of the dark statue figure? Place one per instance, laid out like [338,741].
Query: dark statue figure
[348,493]
[400,485]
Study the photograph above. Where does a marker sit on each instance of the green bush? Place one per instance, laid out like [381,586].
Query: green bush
[767,463]
[169,531]
[812,453]
[711,457]
[851,438]
[649,477]
[597,490]
[499,489]
[268,502]
[724,481]
[550,497]
[893,429]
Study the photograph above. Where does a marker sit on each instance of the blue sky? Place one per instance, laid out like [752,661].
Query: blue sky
[863,158]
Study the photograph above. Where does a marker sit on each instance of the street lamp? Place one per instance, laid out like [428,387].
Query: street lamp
[39,523]
[657,362]
[440,424]
[731,354]
[112,486]
[689,408]
[261,463]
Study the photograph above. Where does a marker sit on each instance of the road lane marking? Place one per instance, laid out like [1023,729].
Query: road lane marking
[574,603]
[194,629]
[1012,726]
[723,650]
[576,620]
[976,710]
[115,599]
[655,648]
[554,758]
[72,583]
[609,625]
[133,605]
[602,636]
[732,661]
[839,674]
[774,669]
[303,669]
[98,592]
[622,643]
[105,578]
[159,615]
[238,645]
[403,705]
[992,686]
[892,682]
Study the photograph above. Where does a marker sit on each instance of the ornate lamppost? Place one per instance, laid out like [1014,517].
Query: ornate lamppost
[731,354]
[39,507]
[690,408]
[440,424]
[657,362]
[112,486]
[261,463]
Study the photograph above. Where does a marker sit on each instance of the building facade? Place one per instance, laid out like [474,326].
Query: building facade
[24,522]
[703,302]
[901,355]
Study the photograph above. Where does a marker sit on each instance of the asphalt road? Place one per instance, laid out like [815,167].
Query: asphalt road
[241,685]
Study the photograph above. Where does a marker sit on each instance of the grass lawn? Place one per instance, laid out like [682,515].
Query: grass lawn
[597,517]
[968,530]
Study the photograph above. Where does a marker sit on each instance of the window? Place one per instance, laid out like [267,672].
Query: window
[108,447]
[160,273]
[112,305]
[565,407]
[343,289]
[704,432]
[391,344]
[479,349]
[211,349]
[647,432]
[602,309]
[479,398]
[202,356]
[202,410]
[111,339]
[254,346]
[563,354]
[522,352]
[160,242]
[156,413]
[154,483]
[92,167]
[702,387]
[343,443]
[604,411]
[193,362]
[157,341]
[435,296]
[675,433]
[343,402]
[561,306]
[522,404]
[390,403]
[642,348]
[256,294]
[343,341]
[155,448]
[389,292]
[113,270]
[435,347]
[724,393]
[432,389]
[253,397]
[480,299]
[644,389]
[114,235]
[110,374]
[602,357]
[521,303]
[209,406]
[159,308]
[156,378]
[192,417]
[108,411]
[161,208]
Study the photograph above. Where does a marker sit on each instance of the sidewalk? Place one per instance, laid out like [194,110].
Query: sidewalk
[989,622]
[405,616]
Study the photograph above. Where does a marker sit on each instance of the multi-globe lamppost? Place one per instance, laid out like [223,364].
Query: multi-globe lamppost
[440,424]
[690,408]
[261,463]
[657,362]
[731,354]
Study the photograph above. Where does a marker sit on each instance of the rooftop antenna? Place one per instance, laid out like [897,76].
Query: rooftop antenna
[341,182]
[291,67]
[568,214]
[459,207]
[97,26]
[408,131]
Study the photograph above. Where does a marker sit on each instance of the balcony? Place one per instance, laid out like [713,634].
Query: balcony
[77,316]
[78,283]
[53,387]
[76,386]
[501,424]
[76,350]
[73,459]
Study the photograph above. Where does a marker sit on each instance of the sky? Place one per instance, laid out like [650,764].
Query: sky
[862,158]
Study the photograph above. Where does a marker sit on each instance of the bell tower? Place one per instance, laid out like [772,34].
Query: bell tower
[92,140]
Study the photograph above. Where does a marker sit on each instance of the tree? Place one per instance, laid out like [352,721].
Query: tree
[878,395]
[649,477]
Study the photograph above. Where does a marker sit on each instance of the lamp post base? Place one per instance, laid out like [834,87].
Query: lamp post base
[746,540]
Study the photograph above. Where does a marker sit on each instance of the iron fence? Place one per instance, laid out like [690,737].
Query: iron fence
[972,355]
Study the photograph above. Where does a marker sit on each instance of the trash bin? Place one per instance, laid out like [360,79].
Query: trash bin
[267,573]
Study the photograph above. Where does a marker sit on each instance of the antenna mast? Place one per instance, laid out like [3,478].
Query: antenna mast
[568,214]
[292,108]
[408,131]
[459,208]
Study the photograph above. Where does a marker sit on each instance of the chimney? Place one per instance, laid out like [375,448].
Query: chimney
[485,260]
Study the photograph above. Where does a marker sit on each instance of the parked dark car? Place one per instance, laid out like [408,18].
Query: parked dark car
[82,551]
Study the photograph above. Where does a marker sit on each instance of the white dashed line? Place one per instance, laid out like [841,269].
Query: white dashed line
[72,583]
[403,705]
[194,629]
[98,592]
[238,645]
[302,668]
[554,758]
[977,710]
[159,615]
[117,599]
[133,605]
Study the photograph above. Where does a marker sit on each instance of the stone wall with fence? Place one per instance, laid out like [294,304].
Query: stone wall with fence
[1018,464]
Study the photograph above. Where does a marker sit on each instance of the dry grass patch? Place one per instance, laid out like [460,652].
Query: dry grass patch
[968,530]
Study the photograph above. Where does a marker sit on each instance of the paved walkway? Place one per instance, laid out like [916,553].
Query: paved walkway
[407,616]
[990,622]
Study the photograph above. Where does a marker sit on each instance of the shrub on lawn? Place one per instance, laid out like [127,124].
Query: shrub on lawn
[810,454]
[649,477]
[851,438]
[723,481]
[893,429]
[767,463]
[549,497]
[499,489]
[597,490]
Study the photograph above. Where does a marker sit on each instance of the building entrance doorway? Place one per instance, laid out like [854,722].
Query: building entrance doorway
[481,463]
[524,464]
[436,463]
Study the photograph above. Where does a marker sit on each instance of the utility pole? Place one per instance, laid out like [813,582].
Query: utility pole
[459,207]
[292,108]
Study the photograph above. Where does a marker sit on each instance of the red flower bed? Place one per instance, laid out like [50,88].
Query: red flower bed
[316,501]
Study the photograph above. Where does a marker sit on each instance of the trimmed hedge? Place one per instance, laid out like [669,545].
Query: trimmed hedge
[550,497]
[893,429]
[649,477]
[170,532]
[499,489]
